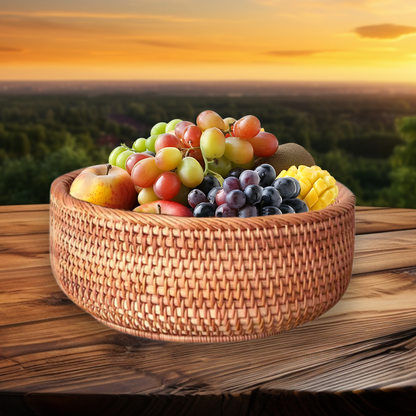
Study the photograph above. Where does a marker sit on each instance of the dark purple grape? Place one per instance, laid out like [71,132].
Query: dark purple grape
[249,177]
[225,211]
[236,172]
[270,211]
[248,210]
[235,199]
[286,186]
[208,183]
[212,194]
[204,209]
[266,173]
[270,196]
[286,209]
[195,197]
[230,184]
[297,204]
[253,194]
[220,197]
[297,192]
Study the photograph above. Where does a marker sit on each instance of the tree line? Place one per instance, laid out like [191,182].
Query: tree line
[367,142]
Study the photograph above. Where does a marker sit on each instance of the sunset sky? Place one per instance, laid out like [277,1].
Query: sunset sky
[332,40]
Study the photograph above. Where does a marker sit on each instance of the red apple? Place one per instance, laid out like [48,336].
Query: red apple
[165,208]
[105,185]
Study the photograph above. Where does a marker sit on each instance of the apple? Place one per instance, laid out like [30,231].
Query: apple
[105,185]
[165,208]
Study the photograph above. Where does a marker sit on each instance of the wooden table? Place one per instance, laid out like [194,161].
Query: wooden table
[359,358]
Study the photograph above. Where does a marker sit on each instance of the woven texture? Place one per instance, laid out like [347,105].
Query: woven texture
[196,279]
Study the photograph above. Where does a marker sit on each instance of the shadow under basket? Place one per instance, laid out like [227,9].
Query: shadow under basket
[200,279]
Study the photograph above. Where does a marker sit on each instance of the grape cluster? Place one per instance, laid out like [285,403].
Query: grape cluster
[247,193]
[177,155]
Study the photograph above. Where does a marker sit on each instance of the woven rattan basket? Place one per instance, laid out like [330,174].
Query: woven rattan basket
[200,279]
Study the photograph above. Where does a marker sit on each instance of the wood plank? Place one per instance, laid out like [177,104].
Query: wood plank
[369,337]
[376,221]
[23,251]
[384,251]
[32,295]
[23,208]
[18,223]
[364,208]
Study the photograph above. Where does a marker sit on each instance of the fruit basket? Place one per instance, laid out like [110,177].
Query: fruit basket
[200,279]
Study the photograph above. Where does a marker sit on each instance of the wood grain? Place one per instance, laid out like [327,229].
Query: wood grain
[23,208]
[29,222]
[21,302]
[358,358]
[386,251]
[360,331]
[382,220]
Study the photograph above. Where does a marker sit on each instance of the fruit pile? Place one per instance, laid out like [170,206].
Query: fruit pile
[247,193]
[177,155]
[180,170]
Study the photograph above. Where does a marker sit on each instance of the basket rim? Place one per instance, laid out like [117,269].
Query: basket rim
[60,191]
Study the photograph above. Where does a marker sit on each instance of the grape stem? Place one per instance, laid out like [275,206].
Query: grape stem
[127,148]
[228,130]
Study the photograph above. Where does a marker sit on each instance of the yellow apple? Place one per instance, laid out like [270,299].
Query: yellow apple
[105,185]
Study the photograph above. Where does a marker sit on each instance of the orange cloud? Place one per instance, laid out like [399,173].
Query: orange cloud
[167,18]
[295,53]
[6,49]
[384,31]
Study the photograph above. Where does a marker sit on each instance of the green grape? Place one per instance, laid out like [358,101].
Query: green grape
[190,172]
[212,143]
[168,158]
[139,145]
[122,157]
[150,142]
[114,154]
[158,128]
[182,196]
[248,165]
[171,125]
[221,166]
[238,150]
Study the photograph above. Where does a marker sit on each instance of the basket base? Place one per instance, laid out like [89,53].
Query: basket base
[181,338]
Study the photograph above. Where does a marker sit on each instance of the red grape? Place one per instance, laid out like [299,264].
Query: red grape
[247,127]
[167,185]
[208,119]
[133,159]
[180,128]
[220,197]
[264,144]
[191,136]
[196,154]
[145,172]
[167,140]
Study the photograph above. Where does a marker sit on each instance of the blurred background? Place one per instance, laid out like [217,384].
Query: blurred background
[336,76]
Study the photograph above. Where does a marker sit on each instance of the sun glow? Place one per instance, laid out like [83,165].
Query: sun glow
[268,40]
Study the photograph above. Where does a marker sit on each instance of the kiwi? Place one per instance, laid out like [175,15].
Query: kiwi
[287,155]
